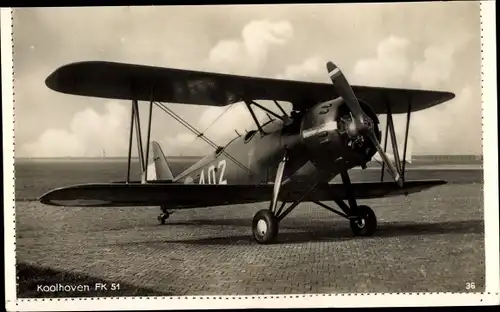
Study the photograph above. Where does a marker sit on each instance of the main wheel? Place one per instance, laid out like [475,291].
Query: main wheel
[265,226]
[366,224]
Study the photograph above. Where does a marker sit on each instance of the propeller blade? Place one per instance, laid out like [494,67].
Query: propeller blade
[277,183]
[345,91]
[394,172]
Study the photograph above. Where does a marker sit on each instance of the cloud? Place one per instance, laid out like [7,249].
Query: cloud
[440,129]
[392,66]
[249,53]
[389,67]
[436,67]
[245,43]
[446,130]
[246,55]
[311,69]
[89,133]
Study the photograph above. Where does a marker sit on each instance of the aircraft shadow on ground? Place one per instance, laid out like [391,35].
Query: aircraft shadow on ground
[316,232]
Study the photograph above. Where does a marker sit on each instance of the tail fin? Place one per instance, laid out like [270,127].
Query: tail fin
[158,168]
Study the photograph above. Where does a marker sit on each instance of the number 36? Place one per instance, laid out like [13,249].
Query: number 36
[470,285]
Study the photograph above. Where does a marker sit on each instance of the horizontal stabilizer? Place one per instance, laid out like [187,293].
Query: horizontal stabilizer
[179,195]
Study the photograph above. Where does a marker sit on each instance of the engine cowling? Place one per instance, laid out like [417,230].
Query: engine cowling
[329,134]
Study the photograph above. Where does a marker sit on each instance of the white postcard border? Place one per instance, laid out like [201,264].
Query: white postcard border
[491,211]
[8,157]
[490,146]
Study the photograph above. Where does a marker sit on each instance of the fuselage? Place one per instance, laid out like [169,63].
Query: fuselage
[315,145]
[251,158]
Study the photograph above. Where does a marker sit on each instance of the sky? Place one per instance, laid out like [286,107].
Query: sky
[433,45]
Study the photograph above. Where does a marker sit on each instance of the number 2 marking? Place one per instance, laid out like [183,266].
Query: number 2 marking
[222,167]
[212,176]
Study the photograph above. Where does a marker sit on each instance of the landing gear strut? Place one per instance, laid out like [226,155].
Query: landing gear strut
[363,221]
[265,222]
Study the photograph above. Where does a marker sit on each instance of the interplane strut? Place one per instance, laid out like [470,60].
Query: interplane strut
[135,123]
[390,130]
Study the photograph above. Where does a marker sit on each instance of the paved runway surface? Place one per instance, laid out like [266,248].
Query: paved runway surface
[431,241]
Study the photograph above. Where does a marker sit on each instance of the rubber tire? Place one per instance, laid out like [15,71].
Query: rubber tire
[367,214]
[272,227]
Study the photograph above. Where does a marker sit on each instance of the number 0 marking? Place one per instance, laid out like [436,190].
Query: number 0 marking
[211,175]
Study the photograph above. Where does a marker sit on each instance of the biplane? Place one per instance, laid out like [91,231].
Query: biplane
[288,159]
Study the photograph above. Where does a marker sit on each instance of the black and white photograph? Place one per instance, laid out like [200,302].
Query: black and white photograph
[233,151]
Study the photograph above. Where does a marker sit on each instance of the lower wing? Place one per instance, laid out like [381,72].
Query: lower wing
[177,195]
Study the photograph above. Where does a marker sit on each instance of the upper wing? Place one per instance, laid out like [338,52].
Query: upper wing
[145,83]
[176,195]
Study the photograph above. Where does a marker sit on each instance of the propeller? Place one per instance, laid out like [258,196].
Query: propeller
[277,182]
[362,124]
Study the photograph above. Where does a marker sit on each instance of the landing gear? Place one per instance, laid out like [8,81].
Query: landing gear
[265,223]
[366,223]
[362,219]
[265,226]
[164,215]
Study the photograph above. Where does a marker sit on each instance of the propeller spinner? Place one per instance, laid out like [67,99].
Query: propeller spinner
[360,123]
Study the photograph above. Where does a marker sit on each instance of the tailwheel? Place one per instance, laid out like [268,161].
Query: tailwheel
[163,217]
[366,223]
[265,226]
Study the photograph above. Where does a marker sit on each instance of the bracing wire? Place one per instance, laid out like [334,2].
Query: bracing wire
[179,119]
[213,122]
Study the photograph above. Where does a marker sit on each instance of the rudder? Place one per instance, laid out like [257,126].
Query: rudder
[158,168]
